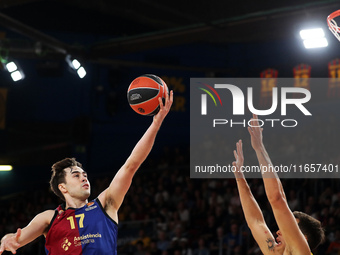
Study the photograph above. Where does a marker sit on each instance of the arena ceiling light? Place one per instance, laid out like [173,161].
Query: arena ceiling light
[76,66]
[6,168]
[14,69]
[313,38]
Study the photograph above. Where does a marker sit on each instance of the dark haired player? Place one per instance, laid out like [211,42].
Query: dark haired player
[299,233]
[80,226]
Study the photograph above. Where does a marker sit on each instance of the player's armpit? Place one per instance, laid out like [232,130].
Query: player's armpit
[263,237]
[107,201]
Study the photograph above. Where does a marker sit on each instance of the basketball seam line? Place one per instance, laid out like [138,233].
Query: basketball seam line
[143,88]
[144,101]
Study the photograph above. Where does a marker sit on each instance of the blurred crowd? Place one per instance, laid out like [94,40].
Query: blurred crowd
[173,214]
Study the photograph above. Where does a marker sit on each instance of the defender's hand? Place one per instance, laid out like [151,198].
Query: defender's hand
[239,160]
[255,134]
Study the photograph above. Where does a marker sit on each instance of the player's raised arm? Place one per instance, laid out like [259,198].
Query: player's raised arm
[112,197]
[285,219]
[251,209]
[37,227]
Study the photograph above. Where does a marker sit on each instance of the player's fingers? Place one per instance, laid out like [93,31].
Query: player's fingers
[171,96]
[160,102]
[2,247]
[235,154]
[166,93]
[165,98]
[170,100]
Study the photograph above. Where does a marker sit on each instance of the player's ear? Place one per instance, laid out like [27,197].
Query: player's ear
[62,187]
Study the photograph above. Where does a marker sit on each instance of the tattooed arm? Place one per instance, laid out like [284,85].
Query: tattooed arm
[293,237]
[251,209]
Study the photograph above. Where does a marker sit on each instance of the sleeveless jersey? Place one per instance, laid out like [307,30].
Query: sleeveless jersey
[82,231]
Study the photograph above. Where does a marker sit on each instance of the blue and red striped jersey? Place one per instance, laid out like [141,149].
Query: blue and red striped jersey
[86,230]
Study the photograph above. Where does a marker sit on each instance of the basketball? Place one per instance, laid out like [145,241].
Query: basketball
[143,94]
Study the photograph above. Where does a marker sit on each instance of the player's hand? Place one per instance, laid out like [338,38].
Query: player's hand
[164,109]
[255,134]
[238,153]
[10,242]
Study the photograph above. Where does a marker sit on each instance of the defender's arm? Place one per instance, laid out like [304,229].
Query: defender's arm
[251,209]
[276,195]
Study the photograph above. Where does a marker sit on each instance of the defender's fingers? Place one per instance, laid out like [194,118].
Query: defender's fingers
[239,143]
[238,147]
[241,149]
[250,130]
[256,121]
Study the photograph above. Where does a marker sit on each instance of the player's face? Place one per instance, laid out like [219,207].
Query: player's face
[77,184]
[280,243]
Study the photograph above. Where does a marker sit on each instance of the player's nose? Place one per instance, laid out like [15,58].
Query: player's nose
[278,232]
[84,179]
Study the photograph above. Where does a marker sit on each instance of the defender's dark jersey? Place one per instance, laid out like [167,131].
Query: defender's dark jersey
[83,231]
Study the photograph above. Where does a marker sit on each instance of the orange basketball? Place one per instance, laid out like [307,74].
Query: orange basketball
[143,94]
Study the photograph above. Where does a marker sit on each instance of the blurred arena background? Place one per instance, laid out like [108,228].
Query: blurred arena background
[52,113]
